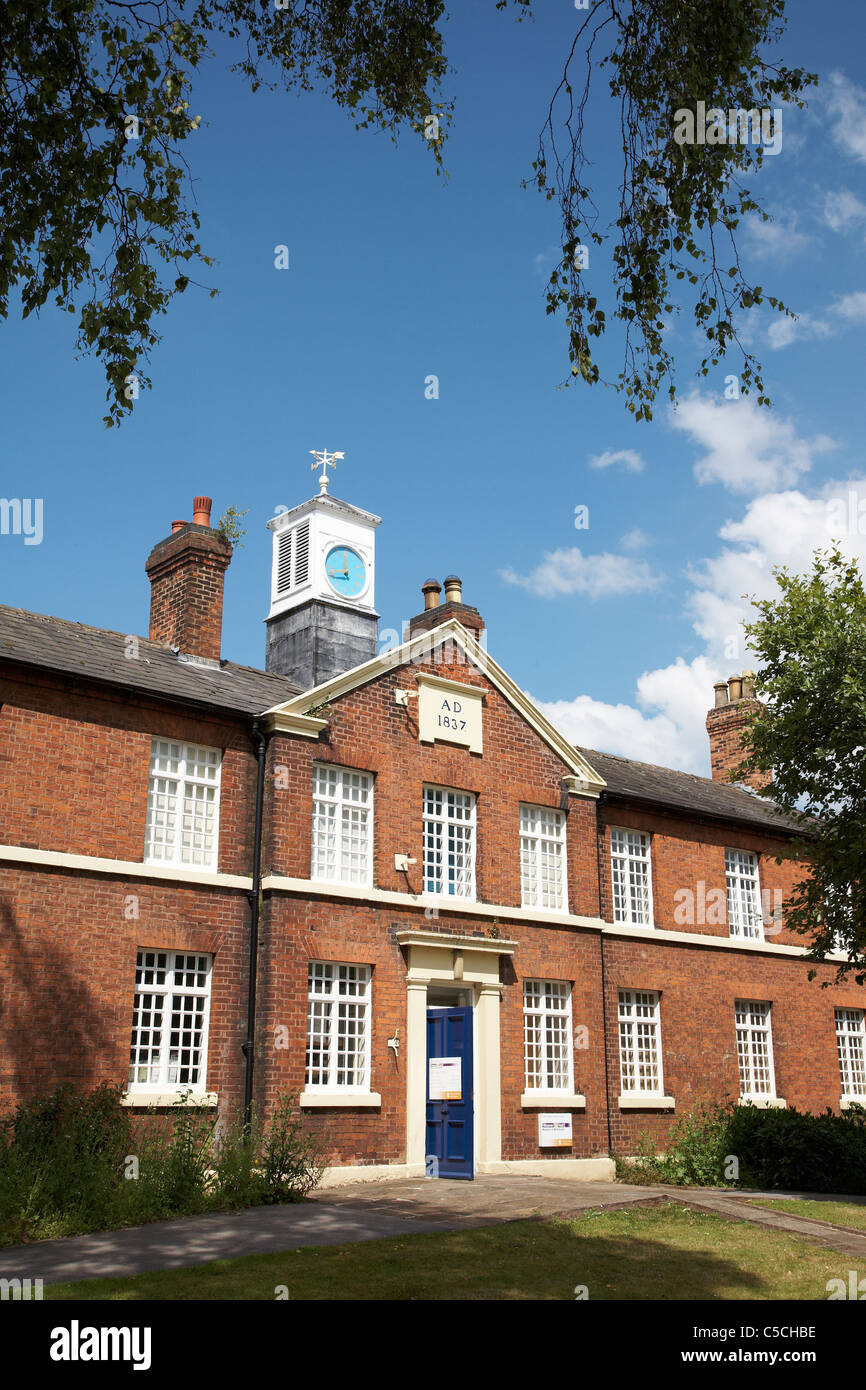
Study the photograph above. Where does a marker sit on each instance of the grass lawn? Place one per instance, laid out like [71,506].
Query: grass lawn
[665,1252]
[839,1213]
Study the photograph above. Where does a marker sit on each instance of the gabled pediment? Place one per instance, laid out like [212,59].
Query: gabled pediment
[305,714]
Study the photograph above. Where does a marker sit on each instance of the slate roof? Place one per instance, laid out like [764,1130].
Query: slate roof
[662,786]
[94,653]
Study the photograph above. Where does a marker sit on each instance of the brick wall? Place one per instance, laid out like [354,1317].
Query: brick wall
[187,574]
[370,731]
[728,728]
[73,778]
[688,867]
[698,987]
[74,768]
[67,964]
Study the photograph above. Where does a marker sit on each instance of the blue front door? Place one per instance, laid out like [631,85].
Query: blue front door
[449,1093]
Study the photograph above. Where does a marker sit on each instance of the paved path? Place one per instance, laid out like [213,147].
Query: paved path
[195,1240]
[736,1206]
[486,1200]
[370,1211]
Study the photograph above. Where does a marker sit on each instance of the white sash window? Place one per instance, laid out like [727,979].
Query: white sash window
[640,1047]
[631,877]
[342,838]
[449,842]
[542,858]
[338,1027]
[182,826]
[755,1049]
[170,1022]
[547,1035]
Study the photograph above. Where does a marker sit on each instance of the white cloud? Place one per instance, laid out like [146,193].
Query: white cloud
[852,306]
[846,103]
[544,261]
[784,331]
[570,571]
[782,528]
[615,729]
[843,210]
[666,722]
[630,460]
[747,447]
[776,241]
[667,729]
[636,539]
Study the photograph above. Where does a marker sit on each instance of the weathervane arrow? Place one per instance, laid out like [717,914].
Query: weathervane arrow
[324,460]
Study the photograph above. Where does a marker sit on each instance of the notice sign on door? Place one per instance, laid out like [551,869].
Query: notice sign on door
[554,1131]
[446,1078]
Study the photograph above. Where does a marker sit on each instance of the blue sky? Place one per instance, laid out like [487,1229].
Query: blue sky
[618,630]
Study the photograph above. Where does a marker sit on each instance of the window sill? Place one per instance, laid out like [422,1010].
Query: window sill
[847,1102]
[368,1100]
[633,1100]
[143,1100]
[343,883]
[175,866]
[552,1100]
[641,926]
[764,1102]
[434,899]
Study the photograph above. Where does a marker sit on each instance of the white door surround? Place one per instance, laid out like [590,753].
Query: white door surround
[470,963]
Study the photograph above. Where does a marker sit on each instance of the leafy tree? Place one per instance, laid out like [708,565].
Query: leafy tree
[680,204]
[811,734]
[95,194]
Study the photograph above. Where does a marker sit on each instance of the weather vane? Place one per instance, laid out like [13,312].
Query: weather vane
[324,460]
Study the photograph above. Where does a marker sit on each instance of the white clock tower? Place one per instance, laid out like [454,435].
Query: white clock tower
[322,619]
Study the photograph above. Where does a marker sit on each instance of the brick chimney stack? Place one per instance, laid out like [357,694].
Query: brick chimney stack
[726,722]
[187,573]
[435,612]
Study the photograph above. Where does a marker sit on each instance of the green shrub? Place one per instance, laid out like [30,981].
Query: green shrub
[786,1149]
[60,1156]
[234,1157]
[798,1151]
[291,1160]
[696,1149]
[71,1163]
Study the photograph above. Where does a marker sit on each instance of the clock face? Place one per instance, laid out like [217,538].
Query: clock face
[346,571]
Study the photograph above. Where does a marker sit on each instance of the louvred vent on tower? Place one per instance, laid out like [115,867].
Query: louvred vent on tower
[293,558]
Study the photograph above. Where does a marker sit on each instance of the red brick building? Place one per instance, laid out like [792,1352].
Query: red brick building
[477,948]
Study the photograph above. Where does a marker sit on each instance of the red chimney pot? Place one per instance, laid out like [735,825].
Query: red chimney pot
[201,511]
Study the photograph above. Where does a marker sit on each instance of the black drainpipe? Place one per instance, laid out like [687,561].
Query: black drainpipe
[603,977]
[248,1047]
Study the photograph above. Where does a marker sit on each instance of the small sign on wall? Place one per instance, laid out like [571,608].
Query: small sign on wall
[450,712]
[446,1078]
[554,1131]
